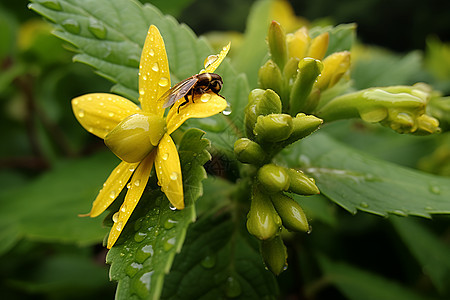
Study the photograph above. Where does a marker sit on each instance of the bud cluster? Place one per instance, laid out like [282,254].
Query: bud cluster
[298,70]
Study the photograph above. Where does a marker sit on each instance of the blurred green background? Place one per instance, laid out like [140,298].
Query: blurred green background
[40,134]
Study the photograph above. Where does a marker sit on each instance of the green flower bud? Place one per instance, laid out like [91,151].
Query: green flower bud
[133,138]
[269,76]
[301,184]
[277,44]
[274,254]
[302,126]
[249,152]
[262,220]
[260,102]
[290,69]
[308,71]
[273,178]
[273,128]
[290,212]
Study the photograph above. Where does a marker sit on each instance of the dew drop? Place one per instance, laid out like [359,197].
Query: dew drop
[111,114]
[155,67]
[165,156]
[205,97]
[71,26]
[144,77]
[144,253]
[309,229]
[139,236]
[128,185]
[151,52]
[210,60]
[133,60]
[141,284]
[208,262]
[172,207]
[169,244]
[97,28]
[123,208]
[169,223]
[232,287]
[227,110]
[137,182]
[429,208]
[400,213]
[133,268]
[119,226]
[364,205]
[52,4]
[132,169]
[163,82]
[174,176]
[435,189]
[81,113]
[141,91]
[115,217]
[112,194]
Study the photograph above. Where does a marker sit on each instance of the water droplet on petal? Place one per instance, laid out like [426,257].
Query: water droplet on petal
[174,176]
[155,67]
[205,97]
[97,28]
[128,185]
[71,26]
[227,110]
[119,226]
[111,114]
[123,208]
[163,82]
[210,60]
[141,91]
[144,77]
[165,156]
[132,169]
[137,182]
[115,217]
[81,113]
[172,207]
[112,194]
[151,52]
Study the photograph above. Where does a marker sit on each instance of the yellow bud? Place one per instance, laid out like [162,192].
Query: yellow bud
[334,67]
[298,43]
[136,136]
[319,46]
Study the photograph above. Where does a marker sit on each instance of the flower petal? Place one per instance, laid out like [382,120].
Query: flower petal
[100,113]
[154,77]
[212,62]
[204,106]
[168,170]
[137,187]
[112,187]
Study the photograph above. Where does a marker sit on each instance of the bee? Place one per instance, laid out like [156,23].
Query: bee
[192,86]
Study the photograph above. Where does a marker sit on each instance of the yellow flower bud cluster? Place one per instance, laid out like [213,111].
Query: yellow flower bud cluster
[299,69]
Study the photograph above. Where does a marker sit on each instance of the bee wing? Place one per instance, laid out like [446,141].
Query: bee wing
[178,91]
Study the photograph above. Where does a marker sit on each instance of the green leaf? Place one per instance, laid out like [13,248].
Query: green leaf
[254,47]
[219,261]
[109,36]
[427,248]
[150,243]
[47,208]
[381,68]
[359,284]
[355,180]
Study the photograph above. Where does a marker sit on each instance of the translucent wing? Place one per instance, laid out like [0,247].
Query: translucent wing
[178,91]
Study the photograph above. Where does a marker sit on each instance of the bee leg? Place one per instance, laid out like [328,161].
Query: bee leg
[186,101]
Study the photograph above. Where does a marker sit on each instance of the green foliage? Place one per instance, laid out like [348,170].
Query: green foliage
[53,170]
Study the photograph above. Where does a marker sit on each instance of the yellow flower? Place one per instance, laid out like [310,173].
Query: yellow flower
[140,137]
